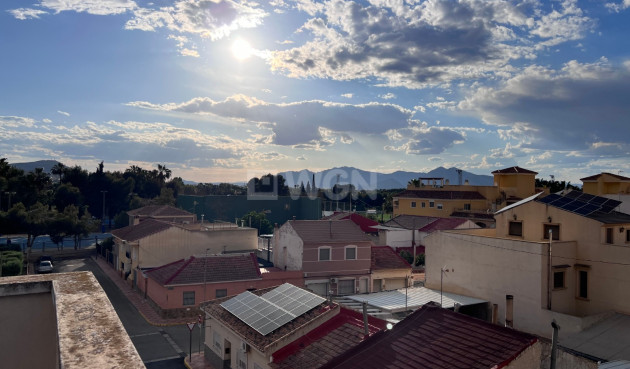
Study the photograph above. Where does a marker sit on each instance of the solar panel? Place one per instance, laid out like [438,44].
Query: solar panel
[560,202]
[597,200]
[272,310]
[586,197]
[587,209]
[573,205]
[573,194]
[549,198]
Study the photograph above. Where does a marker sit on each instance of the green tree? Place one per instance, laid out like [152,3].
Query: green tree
[257,220]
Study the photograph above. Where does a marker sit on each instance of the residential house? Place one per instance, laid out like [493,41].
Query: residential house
[61,320]
[282,327]
[367,225]
[433,337]
[435,197]
[161,212]
[612,186]
[176,287]
[153,243]
[334,255]
[562,257]
[389,270]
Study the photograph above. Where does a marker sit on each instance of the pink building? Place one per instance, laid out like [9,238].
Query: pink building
[177,287]
[334,255]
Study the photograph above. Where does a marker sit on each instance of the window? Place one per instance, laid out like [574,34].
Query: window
[216,339]
[431,204]
[220,293]
[324,253]
[413,204]
[555,231]
[242,359]
[516,229]
[189,298]
[582,284]
[466,206]
[628,235]
[558,280]
[609,235]
[424,205]
[351,253]
[439,206]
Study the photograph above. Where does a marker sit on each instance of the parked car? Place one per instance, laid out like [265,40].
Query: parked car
[45,266]
[45,258]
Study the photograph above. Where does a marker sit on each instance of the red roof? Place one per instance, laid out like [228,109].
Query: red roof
[317,347]
[514,170]
[384,257]
[220,268]
[363,222]
[596,177]
[319,231]
[441,195]
[442,224]
[141,230]
[433,337]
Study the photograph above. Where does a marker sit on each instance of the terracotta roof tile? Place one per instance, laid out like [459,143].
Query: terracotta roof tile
[442,224]
[384,257]
[441,339]
[409,221]
[327,341]
[142,230]
[318,231]
[363,222]
[514,170]
[596,177]
[441,195]
[218,268]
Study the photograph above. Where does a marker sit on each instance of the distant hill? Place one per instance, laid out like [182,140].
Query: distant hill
[30,166]
[366,180]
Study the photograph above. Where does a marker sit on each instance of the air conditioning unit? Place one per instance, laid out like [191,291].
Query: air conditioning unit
[334,280]
[244,346]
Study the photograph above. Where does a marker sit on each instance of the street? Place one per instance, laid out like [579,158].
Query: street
[159,347]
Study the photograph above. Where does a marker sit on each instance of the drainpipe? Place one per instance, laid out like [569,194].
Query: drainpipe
[549,273]
[509,311]
[495,313]
[554,344]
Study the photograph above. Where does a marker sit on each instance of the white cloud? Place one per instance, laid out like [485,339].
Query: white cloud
[26,13]
[618,7]
[46,120]
[347,96]
[97,7]
[298,123]
[422,139]
[387,96]
[63,113]
[569,109]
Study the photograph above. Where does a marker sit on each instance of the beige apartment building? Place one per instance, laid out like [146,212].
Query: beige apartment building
[564,257]
[435,197]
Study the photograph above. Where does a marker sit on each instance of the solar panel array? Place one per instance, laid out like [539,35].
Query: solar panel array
[272,310]
[581,203]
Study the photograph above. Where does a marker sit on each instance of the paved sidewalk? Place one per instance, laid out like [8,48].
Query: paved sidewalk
[149,314]
[198,362]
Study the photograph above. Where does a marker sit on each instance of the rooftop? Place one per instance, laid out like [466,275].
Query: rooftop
[440,338]
[363,222]
[81,321]
[443,224]
[514,170]
[339,334]
[317,231]
[384,257]
[409,221]
[254,338]
[216,268]
[441,195]
[146,228]
[597,176]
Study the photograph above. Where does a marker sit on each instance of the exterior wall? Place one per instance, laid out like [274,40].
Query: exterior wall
[565,359]
[391,278]
[528,359]
[398,238]
[606,185]
[448,206]
[177,243]
[288,248]
[517,185]
[172,297]
[608,282]
[337,265]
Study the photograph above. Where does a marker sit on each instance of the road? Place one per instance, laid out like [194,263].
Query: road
[159,347]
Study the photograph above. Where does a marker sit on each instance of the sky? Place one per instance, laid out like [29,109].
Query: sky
[221,91]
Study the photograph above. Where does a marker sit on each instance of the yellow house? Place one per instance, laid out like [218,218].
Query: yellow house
[558,257]
[606,184]
[435,197]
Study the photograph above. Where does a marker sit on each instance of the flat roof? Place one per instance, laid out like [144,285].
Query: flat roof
[89,330]
[394,301]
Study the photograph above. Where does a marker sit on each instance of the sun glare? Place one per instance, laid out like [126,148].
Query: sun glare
[241,49]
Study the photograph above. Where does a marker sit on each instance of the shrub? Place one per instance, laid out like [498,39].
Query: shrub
[12,267]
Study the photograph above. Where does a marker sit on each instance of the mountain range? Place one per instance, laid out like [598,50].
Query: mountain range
[366,180]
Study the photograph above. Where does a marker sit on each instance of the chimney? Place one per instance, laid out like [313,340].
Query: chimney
[294,217]
[509,311]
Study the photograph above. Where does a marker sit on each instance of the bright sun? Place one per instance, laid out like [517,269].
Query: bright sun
[241,49]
